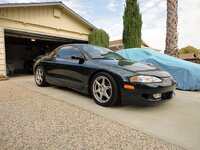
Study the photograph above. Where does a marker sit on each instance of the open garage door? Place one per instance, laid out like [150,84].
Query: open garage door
[22,48]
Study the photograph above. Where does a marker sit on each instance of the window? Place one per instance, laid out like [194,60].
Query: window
[96,52]
[67,52]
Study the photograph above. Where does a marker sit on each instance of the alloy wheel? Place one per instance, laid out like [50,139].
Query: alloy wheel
[102,89]
[39,76]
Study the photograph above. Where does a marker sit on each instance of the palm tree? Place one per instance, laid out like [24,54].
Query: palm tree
[171,47]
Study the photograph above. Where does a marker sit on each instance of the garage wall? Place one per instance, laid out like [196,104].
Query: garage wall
[2,53]
[49,20]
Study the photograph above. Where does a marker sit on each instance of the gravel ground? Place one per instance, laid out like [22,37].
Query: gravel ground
[30,120]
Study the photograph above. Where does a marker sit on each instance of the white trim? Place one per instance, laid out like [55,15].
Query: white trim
[45,34]
[4,54]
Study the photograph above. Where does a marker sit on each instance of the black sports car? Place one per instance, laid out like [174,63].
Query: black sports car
[107,76]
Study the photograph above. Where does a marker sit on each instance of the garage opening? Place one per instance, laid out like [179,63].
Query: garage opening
[23,48]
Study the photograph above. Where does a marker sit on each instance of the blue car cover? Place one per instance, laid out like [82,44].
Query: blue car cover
[186,74]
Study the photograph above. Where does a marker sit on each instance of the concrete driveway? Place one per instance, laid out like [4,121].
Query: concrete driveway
[177,121]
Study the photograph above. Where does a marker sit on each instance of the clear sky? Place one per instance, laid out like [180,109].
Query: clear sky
[107,14]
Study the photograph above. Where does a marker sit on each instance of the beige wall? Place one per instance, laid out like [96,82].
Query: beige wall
[47,20]
[44,21]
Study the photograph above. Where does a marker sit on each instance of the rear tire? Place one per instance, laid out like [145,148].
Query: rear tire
[104,89]
[40,79]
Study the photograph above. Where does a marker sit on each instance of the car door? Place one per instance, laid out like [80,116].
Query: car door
[67,70]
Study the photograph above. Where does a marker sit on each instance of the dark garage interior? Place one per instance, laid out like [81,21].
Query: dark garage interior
[23,48]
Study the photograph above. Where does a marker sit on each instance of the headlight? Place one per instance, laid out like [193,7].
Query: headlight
[145,79]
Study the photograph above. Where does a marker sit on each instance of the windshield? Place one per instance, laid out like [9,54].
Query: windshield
[97,52]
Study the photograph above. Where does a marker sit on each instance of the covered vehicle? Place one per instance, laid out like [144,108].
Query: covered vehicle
[186,74]
[105,75]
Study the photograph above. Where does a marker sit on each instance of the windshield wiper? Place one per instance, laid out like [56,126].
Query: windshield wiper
[100,58]
[121,59]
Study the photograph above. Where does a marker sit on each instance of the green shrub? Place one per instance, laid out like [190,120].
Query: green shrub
[189,49]
[99,37]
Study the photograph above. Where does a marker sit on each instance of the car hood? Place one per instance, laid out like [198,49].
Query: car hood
[136,67]
[125,64]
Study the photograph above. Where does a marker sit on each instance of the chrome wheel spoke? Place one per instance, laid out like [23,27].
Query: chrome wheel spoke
[103,81]
[97,91]
[97,82]
[106,95]
[108,87]
[101,96]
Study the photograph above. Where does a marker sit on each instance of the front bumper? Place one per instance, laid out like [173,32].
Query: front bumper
[143,94]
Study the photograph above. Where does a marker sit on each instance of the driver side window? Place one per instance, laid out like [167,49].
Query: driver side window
[67,52]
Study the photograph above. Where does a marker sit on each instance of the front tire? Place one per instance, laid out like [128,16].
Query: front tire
[104,89]
[40,76]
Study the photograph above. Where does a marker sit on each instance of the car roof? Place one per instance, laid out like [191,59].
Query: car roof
[80,44]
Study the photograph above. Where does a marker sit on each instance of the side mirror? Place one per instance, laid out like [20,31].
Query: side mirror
[78,57]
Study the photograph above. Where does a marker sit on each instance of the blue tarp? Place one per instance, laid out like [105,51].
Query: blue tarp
[186,74]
